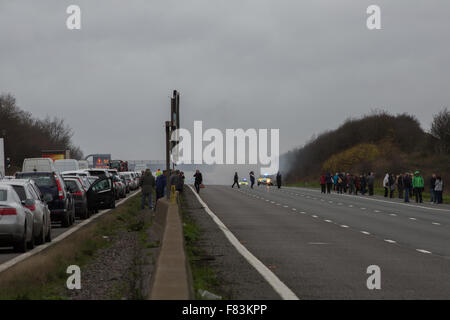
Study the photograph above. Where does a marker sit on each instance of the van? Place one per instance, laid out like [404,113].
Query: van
[83,164]
[66,165]
[38,164]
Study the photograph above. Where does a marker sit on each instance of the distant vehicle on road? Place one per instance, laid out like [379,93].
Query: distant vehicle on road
[79,196]
[265,180]
[243,182]
[38,164]
[98,172]
[66,165]
[119,165]
[140,167]
[83,164]
[16,221]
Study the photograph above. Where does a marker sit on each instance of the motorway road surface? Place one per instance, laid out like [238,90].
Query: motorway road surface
[320,245]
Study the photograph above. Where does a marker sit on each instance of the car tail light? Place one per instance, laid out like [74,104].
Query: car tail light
[78,193]
[60,190]
[32,207]
[8,212]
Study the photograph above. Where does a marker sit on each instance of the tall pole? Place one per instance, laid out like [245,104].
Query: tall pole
[167,157]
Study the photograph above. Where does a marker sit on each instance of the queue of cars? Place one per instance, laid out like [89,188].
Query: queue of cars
[44,192]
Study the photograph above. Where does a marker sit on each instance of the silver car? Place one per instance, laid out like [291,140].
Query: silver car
[16,221]
[31,197]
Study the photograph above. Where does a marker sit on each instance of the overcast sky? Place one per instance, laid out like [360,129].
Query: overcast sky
[300,66]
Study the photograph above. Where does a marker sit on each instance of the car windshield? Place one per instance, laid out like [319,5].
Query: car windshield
[71,185]
[42,180]
[3,195]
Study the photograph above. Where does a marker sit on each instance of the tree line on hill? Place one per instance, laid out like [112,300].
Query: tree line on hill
[26,136]
[378,142]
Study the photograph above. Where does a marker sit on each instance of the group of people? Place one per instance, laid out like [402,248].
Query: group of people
[406,184]
[148,182]
[343,182]
[409,184]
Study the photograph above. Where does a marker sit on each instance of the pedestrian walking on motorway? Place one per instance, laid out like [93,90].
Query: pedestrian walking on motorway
[180,185]
[161,182]
[335,182]
[386,185]
[322,183]
[329,182]
[400,185]
[391,185]
[438,190]
[279,179]
[371,183]
[432,188]
[418,186]
[236,180]
[147,183]
[407,185]
[198,180]
[252,179]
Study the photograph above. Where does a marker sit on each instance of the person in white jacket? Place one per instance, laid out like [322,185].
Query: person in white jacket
[386,185]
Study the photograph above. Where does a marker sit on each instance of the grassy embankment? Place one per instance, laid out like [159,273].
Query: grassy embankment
[44,276]
[204,277]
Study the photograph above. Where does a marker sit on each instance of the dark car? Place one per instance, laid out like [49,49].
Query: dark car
[62,207]
[79,196]
[101,194]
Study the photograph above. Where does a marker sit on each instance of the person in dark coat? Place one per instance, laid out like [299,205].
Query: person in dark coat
[407,186]
[198,180]
[147,183]
[400,186]
[236,180]
[279,180]
[161,182]
[180,185]
[371,183]
[363,181]
[329,182]
[252,179]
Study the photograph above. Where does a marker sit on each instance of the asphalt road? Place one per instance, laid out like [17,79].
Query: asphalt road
[320,246]
[7,253]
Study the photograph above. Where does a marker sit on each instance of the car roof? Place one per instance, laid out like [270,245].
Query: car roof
[21,182]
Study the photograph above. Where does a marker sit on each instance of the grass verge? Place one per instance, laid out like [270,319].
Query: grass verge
[43,276]
[203,275]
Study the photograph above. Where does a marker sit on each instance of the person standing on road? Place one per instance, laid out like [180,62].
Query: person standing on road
[322,183]
[236,180]
[363,182]
[386,185]
[198,180]
[400,185]
[147,183]
[161,182]
[351,183]
[173,181]
[279,179]
[335,182]
[407,185]
[180,185]
[418,185]
[340,183]
[432,188]
[329,182]
[391,185]
[371,183]
[438,189]
[252,179]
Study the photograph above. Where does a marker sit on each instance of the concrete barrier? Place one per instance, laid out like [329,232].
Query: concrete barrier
[171,279]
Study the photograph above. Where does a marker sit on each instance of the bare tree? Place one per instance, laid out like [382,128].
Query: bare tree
[440,129]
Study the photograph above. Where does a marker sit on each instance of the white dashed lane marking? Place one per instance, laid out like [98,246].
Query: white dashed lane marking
[344,226]
[365,232]
[389,241]
[436,223]
[423,251]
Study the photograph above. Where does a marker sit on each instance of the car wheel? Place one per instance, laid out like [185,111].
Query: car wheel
[48,237]
[40,239]
[65,222]
[21,246]
[30,243]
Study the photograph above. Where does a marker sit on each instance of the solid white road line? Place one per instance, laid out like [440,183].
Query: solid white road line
[8,264]
[270,277]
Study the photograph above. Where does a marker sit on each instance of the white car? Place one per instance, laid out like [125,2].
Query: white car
[16,221]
